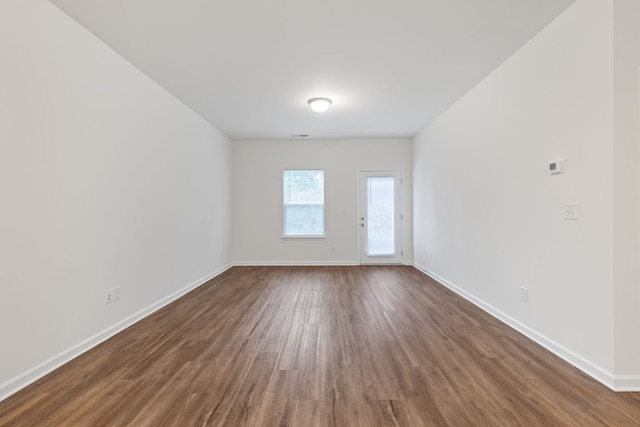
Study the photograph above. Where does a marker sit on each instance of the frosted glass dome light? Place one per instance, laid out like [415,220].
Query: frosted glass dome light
[319,105]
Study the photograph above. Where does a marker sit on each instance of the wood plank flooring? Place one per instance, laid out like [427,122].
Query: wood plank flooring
[319,346]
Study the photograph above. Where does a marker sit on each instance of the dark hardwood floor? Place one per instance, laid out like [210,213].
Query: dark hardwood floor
[321,346]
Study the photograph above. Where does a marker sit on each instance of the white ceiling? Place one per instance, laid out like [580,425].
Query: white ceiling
[249,66]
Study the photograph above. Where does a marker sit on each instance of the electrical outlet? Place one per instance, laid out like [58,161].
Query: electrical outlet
[524,294]
[116,293]
[109,295]
[572,212]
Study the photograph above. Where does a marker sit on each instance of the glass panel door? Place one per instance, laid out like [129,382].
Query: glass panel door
[380,217]
[380,207]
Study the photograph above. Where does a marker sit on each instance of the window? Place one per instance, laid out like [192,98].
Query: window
[303,192]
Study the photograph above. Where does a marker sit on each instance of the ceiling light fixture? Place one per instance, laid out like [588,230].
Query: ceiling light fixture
[319,105]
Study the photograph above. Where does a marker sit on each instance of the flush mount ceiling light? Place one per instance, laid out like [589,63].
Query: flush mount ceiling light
[319,105]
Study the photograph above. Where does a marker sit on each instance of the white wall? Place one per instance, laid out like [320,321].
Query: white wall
[257,197]
[488,218]
[105,180]
[627,192]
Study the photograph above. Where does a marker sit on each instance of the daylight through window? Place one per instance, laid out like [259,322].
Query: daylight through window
[303,192]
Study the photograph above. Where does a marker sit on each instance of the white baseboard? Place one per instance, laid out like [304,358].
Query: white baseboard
[21,381]
[302,263]
[615,383]
[293,263]
[627,383]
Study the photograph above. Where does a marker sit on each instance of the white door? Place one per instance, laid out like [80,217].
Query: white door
[380,217]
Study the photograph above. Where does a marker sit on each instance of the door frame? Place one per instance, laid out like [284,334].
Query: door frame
[399,201]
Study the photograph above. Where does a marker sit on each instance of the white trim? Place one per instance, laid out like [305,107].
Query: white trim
[308,263]
[294,263]
[304,237]
[627,383]
[285,204]
[620,383]
[19,382]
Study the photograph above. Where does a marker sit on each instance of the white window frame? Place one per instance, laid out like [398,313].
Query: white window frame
[285,204]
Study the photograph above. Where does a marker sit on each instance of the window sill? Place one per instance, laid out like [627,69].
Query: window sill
[304,237]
